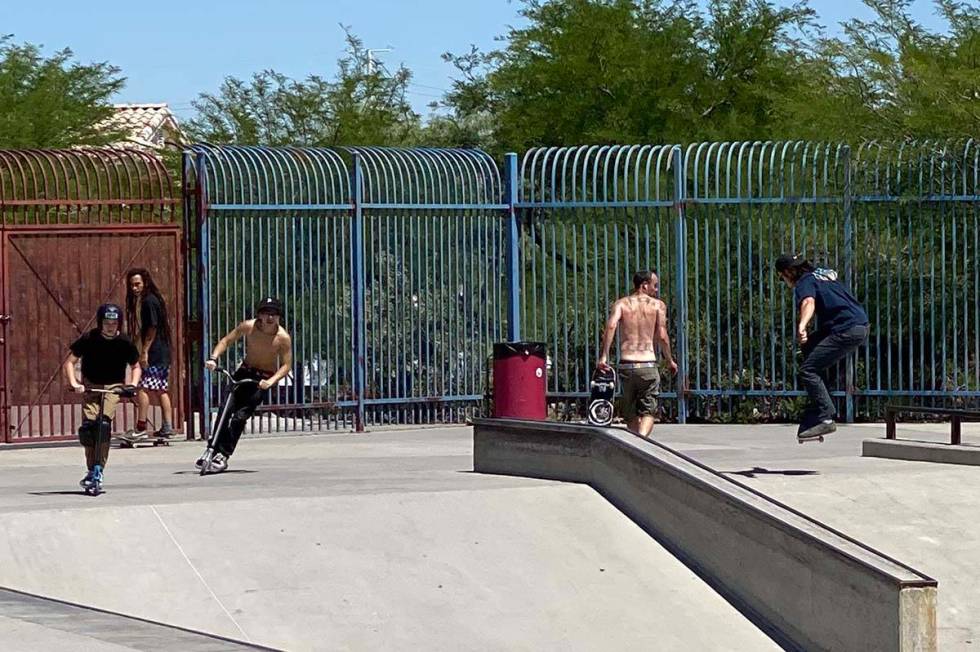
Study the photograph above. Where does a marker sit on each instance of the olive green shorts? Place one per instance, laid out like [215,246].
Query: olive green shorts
[641,387]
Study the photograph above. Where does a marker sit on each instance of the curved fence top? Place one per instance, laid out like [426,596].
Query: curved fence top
[84,185]
[258,177]
[274,176]
[746,170]
[927,168]
[429,176]
[598,174]
[771,169]
[790,171]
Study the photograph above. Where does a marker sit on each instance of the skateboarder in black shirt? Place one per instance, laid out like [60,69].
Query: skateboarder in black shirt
[842,326]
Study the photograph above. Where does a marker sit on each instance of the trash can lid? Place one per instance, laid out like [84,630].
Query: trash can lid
[508,349]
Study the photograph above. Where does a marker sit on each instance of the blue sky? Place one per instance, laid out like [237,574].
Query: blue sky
[171,51]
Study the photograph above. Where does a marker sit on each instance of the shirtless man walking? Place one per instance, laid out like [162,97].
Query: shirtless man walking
[268,358]
[642,322]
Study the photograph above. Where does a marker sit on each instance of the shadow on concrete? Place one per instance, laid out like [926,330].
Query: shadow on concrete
[228,472]
[758,470]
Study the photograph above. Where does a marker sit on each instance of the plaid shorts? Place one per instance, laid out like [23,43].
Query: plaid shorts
[155,377]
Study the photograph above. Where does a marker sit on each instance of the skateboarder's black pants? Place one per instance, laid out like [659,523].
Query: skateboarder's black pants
[244,400]
[819,354]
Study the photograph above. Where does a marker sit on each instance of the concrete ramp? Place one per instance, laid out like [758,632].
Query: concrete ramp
[810,586]
[542,566]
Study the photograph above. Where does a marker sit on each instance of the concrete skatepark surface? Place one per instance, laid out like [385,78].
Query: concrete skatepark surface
[921,513]
[388,541]
[349,542]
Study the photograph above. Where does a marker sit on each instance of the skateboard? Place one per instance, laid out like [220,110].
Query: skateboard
[128,441]
[810,420]
[602,389]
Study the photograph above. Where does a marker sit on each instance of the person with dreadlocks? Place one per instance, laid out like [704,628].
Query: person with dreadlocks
[148,325]
[842,326]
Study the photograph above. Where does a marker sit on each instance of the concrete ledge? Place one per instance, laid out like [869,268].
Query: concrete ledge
[921,451]
[807,585]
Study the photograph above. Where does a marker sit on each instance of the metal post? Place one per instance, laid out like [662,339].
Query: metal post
[513,251]
[203,297]
[4,320]
[680,271]
[358,283]
[185,256]
[849,281]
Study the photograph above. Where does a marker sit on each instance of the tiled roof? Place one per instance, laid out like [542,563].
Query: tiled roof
[146,125]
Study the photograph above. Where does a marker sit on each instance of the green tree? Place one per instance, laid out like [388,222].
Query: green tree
[54,101]
[890,78]
[631,71]
[364,104]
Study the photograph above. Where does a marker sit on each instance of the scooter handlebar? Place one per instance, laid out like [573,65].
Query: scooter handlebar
[125,391]
[233,380]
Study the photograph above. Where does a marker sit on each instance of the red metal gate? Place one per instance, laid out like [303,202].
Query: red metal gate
[71,223]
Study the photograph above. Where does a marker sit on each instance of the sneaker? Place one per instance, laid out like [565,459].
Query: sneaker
[165,432]
[825,427]
[134,435]
[96,478]
[86,482]
[200,462]
[219,463]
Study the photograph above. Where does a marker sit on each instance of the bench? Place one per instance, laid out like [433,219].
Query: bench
[957,417]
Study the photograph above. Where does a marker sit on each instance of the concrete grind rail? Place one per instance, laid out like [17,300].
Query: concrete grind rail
[810,586]
[921,451]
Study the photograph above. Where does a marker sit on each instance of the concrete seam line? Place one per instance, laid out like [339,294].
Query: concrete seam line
[198,573]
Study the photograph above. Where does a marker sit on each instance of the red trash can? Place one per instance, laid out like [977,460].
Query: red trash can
[520,380]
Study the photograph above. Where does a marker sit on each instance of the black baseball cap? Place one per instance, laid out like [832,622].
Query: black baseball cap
[269,304]
[788,261]
[108,311]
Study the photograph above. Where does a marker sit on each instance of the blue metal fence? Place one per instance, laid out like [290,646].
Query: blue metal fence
[898,222]
[386,261]
[399,268]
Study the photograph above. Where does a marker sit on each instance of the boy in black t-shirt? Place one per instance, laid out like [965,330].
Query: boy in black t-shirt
[105,353]
[842,326]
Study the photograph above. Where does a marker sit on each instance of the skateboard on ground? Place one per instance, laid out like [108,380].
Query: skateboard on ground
[127,440]
[602,389]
